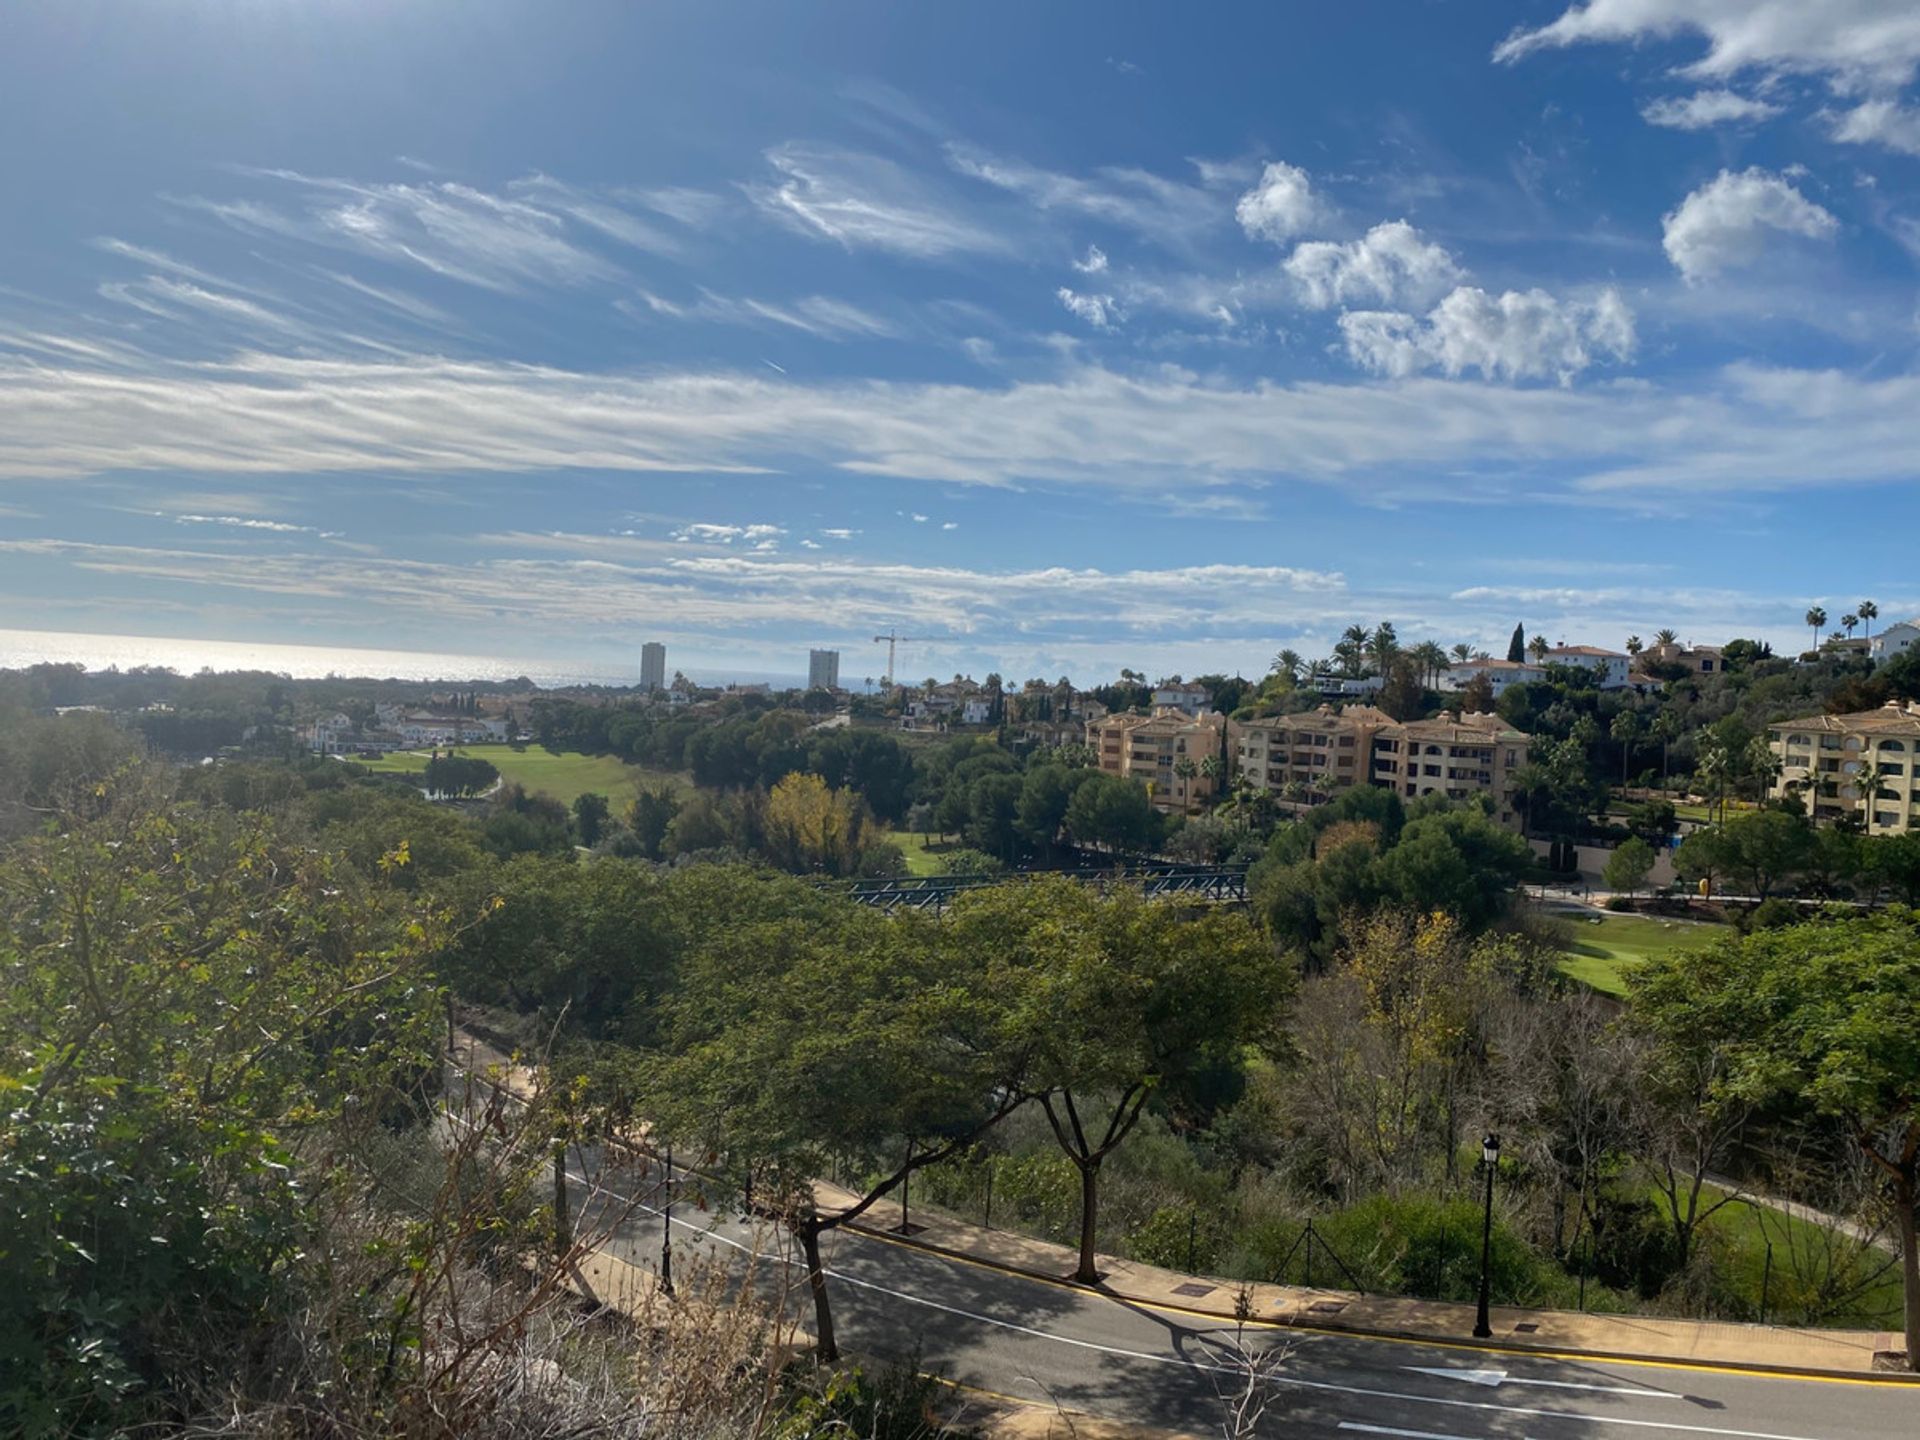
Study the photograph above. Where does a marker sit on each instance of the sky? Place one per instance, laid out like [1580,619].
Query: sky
[1058,338]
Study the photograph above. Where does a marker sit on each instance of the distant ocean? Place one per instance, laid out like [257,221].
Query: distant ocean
[20,648]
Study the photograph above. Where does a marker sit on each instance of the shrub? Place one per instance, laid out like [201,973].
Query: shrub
[1620,904]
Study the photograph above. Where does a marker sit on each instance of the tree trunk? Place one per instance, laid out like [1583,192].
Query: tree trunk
[817,1283]
[1087,1274]
[562,1224]
[1904,1200]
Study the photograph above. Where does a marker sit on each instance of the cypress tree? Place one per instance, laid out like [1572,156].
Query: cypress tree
[1517,646]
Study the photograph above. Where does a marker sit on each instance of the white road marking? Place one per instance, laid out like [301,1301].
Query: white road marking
[1391,1430]
[1501,1377]
[1292,1381]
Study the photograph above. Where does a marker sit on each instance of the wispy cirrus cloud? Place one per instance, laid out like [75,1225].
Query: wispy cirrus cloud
[821,316]
[1751,427]
[1170,213]
[867,202]
[530,235]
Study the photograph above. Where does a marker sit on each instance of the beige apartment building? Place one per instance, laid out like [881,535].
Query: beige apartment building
[1865,765]
[1324,750]
[1150,748]
[1477,754]
[1319,750]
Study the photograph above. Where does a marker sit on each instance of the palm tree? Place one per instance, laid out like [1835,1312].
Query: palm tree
[1351,649]
[1626,726]
[1815,618]
[1847,623]
[1212,768]
[1665,637]
[1287,663]
[1666,729]
[1537,647]
[1432,660]
[1186,769]
[1635,646]
[1868,612]
[1462,654]
[1382,646]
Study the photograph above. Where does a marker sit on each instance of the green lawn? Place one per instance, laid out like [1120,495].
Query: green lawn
[565,777]
[1605,947]
[922,858]
[1862,1287]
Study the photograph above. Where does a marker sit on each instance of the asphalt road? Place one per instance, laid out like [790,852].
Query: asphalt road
[1060,1345]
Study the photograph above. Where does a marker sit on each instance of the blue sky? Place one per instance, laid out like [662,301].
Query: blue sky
[1064,337]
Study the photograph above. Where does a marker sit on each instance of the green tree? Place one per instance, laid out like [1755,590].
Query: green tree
[188,994]
[1517,645]
[1624,731]
[846,1041]
[590,818]
[1113,1000]
[1868,612]
[1112,811]
[1629,865]
[1828,1015]
[648,817]
[1815,618]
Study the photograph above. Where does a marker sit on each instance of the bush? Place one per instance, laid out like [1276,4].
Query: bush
[1619,904]
[1773,914]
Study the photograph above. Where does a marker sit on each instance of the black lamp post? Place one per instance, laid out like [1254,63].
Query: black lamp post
[1490,1161]
[666,1230]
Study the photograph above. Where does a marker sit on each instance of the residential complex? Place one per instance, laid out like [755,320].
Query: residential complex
[653,666]
[1312,754]
[1865,765]
[1499,674]
[1699,659]
[823,669]
[1896,639]
[1169,750]
[1610,667]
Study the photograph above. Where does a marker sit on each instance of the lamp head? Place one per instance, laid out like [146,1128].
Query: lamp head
[1490,1148]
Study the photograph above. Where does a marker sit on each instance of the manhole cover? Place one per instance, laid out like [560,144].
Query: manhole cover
[1326,1307]
[1190,1289]
[1525,1329]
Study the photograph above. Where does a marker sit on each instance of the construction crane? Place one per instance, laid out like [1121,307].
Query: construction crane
[890,640]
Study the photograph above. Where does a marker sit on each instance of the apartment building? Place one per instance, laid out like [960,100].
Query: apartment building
[1325,750]
[1476,754]
[653,666]
[1150,748]
[1864,765]
[1319,751]
[823,669]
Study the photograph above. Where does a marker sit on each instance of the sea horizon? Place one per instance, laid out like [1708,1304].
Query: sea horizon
[99,652]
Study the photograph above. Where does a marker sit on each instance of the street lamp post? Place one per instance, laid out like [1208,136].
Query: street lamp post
[666,1230]
[1490,1160]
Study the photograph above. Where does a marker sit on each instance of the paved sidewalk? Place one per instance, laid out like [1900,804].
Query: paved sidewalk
[1640,1337]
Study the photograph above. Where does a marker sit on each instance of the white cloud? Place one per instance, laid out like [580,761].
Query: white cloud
[1168,212]
[950,525]
[249,522]
[865,202]
[1098,311]
[1706,108]
[1281,206]
[1880,122]
[821,316]
[1520,335]
[1094,264]
[1726,222]
[1854,43]
[1392,264]
[496,242]
[839,534]
[1746,429]
[764,537]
